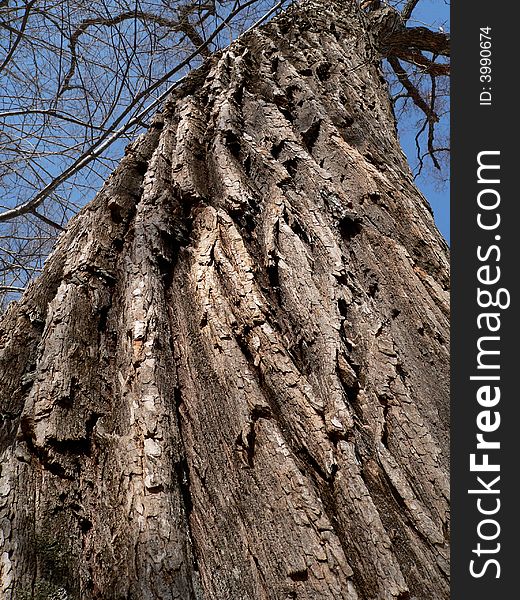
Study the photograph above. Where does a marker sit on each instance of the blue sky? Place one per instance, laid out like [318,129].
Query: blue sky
[434,14]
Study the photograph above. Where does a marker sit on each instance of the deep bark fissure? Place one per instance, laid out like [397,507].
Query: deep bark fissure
[183,476]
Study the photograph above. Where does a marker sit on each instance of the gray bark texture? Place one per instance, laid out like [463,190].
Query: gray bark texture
[231,380]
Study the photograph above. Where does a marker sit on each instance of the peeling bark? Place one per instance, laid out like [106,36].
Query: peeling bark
[231,380]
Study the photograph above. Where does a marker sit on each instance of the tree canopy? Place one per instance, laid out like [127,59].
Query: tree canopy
[80,79]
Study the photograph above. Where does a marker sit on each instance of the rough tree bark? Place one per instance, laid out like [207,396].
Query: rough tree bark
[231,380]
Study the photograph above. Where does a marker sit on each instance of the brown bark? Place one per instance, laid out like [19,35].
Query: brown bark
[231,381]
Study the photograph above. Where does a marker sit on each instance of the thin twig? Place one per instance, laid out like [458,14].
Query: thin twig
[413,92]
[23,25]
[431,126]
[112,134]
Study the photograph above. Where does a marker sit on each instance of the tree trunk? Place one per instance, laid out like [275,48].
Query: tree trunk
[231,380]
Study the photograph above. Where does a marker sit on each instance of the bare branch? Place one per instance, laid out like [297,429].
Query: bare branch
[413,92]
[189,30]
[19,37]
[48,112]
[108,22]
[182,25]
[426,65]
[431,125]
[47,221]
[116,130]
[408,9]
[420,156]
[418,38]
